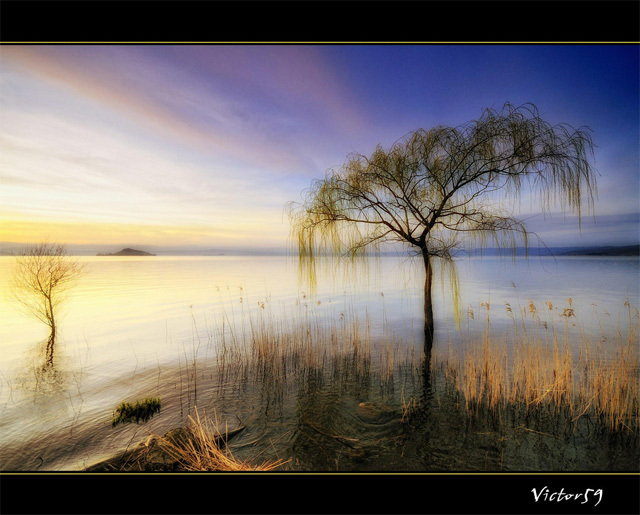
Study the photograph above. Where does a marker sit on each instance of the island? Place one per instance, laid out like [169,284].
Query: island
[128,252]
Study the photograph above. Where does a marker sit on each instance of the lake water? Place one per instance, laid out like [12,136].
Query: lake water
[136,327]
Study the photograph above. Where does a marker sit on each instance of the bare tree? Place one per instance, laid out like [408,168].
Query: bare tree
[43,274]
[438,189]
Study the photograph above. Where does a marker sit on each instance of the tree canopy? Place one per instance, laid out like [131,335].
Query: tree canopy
[439,189]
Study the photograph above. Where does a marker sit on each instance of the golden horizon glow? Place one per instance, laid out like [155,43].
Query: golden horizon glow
[96,233]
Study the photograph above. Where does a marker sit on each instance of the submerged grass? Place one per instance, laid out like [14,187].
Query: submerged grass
[141,411]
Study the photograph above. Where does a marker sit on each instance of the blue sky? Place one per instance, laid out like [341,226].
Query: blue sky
[181,146]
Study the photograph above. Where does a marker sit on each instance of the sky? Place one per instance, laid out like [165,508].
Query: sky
[186,146]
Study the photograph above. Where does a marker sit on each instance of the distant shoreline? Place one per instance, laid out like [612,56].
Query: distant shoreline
[628,250]
[595,251]
[599,251]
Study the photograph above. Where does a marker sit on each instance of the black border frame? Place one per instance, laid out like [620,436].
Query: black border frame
[345,22]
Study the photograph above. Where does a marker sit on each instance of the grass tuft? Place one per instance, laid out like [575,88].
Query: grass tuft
[141,411]
[203,447]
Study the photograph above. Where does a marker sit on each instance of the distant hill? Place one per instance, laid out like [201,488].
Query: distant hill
[629,250]
[128,252]
[626,250]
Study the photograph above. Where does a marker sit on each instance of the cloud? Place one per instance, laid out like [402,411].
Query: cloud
[76,171]
[240,103]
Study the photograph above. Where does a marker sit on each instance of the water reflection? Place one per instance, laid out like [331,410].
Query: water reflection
[39,376]
[48,379]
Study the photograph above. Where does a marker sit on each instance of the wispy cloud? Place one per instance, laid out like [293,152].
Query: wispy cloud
[247,103]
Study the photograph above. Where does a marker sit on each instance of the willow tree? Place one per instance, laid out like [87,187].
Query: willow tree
[43,275]
[438,189]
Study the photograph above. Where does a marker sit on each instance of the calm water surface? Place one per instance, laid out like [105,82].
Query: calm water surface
[139,326]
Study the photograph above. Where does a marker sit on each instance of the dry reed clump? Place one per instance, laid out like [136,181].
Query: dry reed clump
[543,365]
[291,347]
[203,447]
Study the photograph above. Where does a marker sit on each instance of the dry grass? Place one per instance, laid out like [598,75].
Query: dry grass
[548,361]
[280,349]
[409,406]
[203,447]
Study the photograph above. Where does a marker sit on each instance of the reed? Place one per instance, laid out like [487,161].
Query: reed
[277,349]
[548,362]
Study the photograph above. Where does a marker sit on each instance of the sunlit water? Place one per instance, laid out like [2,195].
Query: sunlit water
[135,327]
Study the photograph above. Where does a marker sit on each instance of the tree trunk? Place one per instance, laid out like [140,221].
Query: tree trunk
[50,343]
[428,306]
[52,336]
